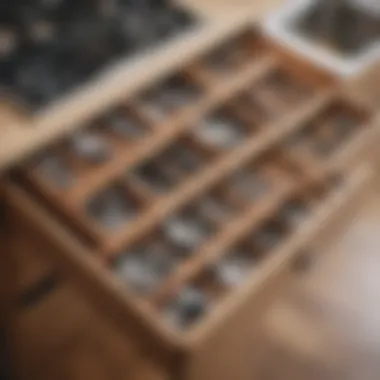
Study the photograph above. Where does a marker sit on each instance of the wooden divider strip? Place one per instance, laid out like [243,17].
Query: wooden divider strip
[66,208]
[219,245]
[199,75]
[309,166]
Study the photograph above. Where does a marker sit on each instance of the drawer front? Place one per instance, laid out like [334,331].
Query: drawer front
[97,357]
[29,255]
[62,337]
[42,326]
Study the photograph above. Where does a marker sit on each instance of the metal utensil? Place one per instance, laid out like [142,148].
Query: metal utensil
[187,308]
[219,132]
[112,208]
[91,147]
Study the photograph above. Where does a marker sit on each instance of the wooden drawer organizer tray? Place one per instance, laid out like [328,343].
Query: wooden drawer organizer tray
[181,211]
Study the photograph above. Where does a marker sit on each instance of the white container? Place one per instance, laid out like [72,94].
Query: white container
[280,25]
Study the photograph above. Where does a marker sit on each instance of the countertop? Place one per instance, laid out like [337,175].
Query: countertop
[20,135]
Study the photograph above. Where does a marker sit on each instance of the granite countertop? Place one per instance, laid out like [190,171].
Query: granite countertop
[21,135]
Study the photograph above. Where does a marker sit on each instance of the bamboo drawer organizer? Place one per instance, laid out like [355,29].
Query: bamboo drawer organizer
[203,188]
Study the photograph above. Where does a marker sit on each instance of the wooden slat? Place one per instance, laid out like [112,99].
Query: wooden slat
[252,114]
[200,76]
[308,165]
[270,100]
[250,149]
[143,192]
[219,245]
[359,147]
[166,134]
[67,209]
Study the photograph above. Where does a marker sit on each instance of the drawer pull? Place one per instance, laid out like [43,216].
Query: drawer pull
[39,291]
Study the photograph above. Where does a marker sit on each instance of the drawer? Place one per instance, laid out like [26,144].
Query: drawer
[179,213]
